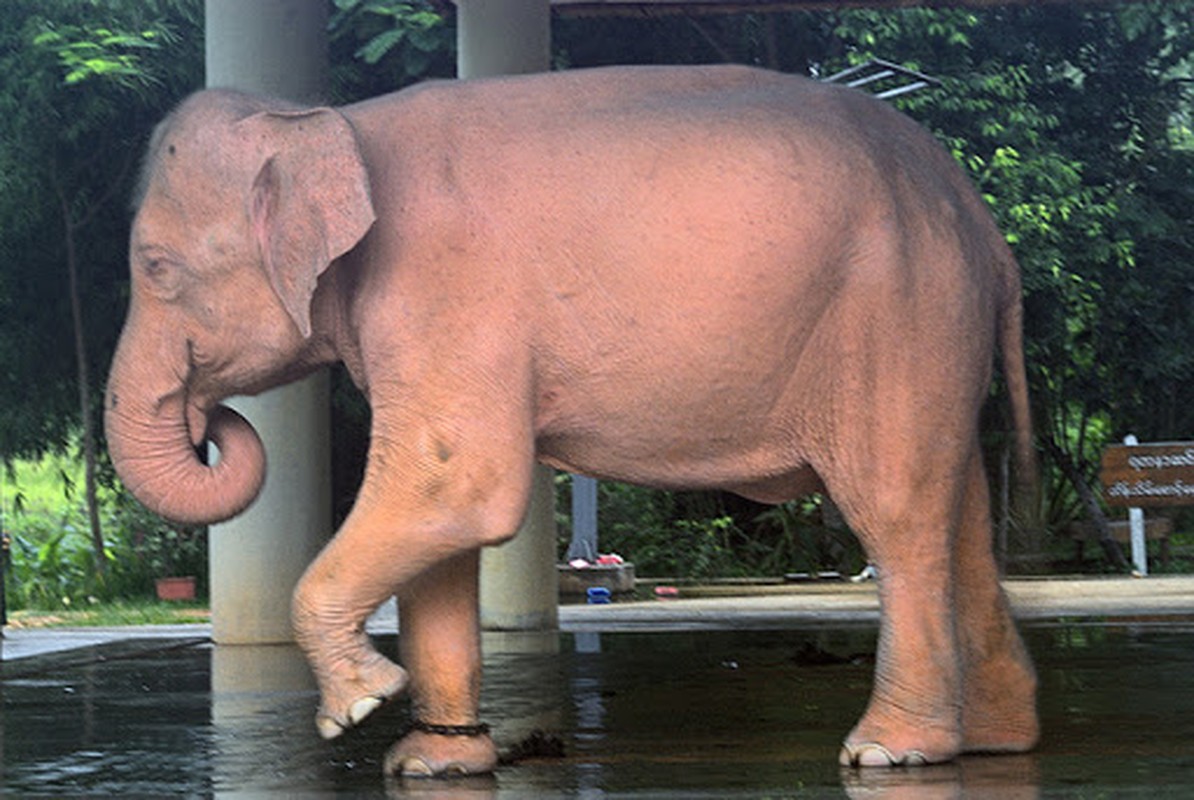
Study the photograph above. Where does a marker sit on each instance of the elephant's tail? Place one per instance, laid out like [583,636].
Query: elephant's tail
[1011,345]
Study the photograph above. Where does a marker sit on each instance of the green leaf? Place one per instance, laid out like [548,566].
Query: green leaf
[379,45]
[47,37]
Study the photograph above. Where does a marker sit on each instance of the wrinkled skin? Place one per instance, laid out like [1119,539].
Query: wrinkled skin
[697,277]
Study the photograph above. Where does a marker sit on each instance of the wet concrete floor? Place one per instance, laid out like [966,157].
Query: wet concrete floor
[689,714]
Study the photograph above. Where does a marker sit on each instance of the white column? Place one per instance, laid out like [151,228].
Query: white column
[275,47]
[518,580]
[519,583]
[502,37]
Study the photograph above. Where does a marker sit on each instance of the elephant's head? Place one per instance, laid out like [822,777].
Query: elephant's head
[243,204]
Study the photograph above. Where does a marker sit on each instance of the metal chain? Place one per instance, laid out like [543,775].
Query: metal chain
[450,730]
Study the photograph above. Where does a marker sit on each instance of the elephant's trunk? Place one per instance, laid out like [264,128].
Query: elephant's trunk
[150,444]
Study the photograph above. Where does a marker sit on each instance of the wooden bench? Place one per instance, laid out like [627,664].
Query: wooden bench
[1157,529]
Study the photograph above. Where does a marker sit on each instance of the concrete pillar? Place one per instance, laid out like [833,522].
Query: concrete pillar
[518,580]
[275,47]
[502,37]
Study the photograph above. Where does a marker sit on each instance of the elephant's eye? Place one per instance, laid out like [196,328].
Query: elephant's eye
[163,276]
[158,270]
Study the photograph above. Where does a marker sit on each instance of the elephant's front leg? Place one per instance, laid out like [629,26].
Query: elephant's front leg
[441,646]
[328,614]
[430,500]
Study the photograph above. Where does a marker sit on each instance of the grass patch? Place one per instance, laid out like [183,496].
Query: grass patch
[102,615]
[46,485]
[52,563]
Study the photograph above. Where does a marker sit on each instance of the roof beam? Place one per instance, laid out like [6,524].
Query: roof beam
[652,8]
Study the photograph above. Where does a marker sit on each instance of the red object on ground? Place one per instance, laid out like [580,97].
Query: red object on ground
[175,589]
[666,592]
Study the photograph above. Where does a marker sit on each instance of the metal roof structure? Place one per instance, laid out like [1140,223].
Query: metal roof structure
[883,79]
[650,8]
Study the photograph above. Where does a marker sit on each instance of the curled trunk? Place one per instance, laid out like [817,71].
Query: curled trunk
[152,451]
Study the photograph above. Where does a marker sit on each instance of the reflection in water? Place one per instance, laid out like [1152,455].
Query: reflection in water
[111,719]
[586,690]
[590,710]
[249,684]
[1014,777]
[672,715]
[474,788]
[523,687]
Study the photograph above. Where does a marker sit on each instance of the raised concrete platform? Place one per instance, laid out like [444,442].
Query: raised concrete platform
[775,606]
[27,642]
[615,578]
[840,603]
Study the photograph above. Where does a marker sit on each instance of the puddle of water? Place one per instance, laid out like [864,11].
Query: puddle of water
[706,714]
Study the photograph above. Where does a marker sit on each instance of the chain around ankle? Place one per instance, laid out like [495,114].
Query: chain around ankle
[422,726]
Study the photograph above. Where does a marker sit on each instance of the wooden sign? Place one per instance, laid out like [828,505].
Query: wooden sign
[1149,474]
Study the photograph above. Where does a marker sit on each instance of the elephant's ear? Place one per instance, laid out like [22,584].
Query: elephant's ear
[310,201]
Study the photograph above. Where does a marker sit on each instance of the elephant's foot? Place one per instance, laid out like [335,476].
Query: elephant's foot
[875,745]
[432,751]
[354,679]
[999,710]
[350,695]
[1008,733]
[873,754]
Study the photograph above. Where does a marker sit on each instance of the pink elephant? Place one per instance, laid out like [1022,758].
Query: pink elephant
[711,277]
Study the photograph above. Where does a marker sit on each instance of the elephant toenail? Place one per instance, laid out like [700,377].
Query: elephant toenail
[328,728]
[363,708]
[415,767]
[873,754]
[915,758]
[866,755]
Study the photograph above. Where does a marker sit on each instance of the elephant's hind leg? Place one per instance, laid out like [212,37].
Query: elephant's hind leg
[906,518]
[914,714]
[999,689]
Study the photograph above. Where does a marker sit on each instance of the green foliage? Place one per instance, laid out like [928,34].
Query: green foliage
[708,534]
[51,563]
[81,84]
[154,547]
[800,536]
[380,46]
[51,556]
[665,534]
[100,53]
[1075,120]
[702,547]
[51,559]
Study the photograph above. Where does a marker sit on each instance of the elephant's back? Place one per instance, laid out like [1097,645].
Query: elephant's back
[603,106]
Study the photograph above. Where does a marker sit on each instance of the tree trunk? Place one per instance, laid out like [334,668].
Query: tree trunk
[1005,508]
[70,226]
[1069,469]
[84,379]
